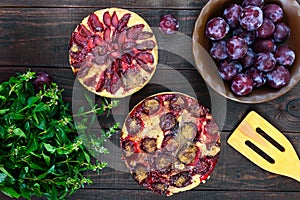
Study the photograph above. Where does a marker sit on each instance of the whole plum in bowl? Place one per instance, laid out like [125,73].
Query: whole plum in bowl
[248,50]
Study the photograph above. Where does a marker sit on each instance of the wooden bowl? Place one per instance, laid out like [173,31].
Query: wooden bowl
[208,69]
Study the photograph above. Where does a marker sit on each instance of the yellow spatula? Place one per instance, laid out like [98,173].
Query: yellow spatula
[264,145]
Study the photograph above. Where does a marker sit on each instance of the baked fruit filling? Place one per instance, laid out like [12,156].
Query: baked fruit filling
[170,143]
[113,52]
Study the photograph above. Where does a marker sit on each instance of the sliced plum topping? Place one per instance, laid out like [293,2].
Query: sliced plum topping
[177,103]
[140,173]
[114,20]
[128,148]
[167,122]
[123,21]
[149,145]
[94,23]
[134,125]
[170,143]
[187,153]
[134,30]
[107,19]
[180,180]
[163,162]
[151,106]
[82,30]
[188,130]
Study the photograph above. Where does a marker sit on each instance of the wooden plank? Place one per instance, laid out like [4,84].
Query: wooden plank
[107,3]
[111,194]
[276,111]
[40,36]
[207,195]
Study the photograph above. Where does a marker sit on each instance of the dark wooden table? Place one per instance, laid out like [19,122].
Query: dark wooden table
[35,34]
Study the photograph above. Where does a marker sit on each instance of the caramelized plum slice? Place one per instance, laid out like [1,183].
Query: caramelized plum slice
[177,103]
[188,130]
[140,173]
[149,145]
[128,148]
[163,162]
[187,153]
[151,106]
[180,180]
[167,121]
[170,143]
[134,125]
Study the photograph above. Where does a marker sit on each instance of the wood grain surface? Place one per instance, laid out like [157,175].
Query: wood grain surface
[35,34]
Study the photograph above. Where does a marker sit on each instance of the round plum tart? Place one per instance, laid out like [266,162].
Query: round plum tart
[170,143]
[113,52]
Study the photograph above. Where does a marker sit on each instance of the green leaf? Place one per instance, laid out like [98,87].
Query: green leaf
[3,111]
[46,158]
[81,110]
[6,172]
[50,148]
[89,100]
[19,133]
[16,116]
[2,177]
[32,144]
[32,100]
[41,107]
[87,157]
[51,170]
[9,191]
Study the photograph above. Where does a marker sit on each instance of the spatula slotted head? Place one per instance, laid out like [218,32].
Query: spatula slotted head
[265,146]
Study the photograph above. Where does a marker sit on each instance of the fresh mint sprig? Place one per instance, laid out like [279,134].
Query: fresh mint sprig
[40,152]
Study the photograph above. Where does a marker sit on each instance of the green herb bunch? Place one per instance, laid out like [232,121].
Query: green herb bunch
[40,152]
